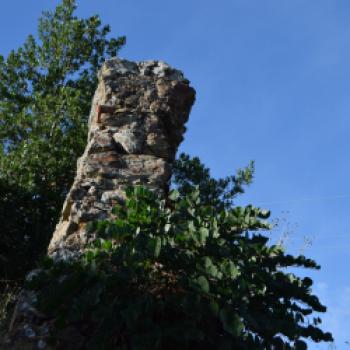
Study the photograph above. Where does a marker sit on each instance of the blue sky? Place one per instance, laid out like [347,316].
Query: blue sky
[273,85]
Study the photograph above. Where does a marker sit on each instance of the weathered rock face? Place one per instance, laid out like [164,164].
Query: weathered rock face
[136,124]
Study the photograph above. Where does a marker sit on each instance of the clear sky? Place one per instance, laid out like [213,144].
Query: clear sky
[273,85]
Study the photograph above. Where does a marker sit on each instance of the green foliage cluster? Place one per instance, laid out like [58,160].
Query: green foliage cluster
[189,172]
[182,274]
[46,87]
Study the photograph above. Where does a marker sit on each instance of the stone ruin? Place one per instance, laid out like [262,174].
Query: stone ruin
[135,127]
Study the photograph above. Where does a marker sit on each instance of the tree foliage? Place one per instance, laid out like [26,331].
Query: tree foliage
[183,274]
[189,172]
[46,87]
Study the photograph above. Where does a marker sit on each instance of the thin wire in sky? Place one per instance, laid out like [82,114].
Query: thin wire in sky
[307,199]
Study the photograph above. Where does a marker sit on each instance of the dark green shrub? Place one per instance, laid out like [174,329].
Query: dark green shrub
[182,275]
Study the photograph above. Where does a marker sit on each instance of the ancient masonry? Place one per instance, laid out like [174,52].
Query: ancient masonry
[135,127]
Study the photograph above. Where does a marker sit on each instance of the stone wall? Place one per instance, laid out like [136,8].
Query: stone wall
[136,124]
[135,127]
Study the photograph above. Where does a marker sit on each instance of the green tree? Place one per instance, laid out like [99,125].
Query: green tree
[46,87]
[183,273]
[190,172]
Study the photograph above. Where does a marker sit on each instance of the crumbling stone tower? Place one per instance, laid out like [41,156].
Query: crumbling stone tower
[135,127]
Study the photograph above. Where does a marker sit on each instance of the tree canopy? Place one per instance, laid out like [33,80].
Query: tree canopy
[46,87]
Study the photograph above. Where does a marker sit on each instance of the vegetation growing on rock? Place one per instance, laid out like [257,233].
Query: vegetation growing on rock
[182,274]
